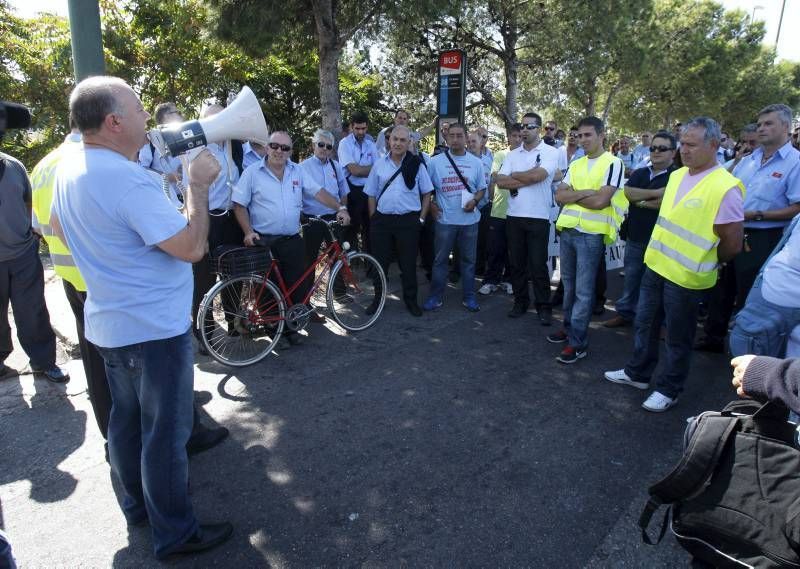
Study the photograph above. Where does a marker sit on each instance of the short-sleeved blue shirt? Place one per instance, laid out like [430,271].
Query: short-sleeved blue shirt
[773,185]
[327,176]
[449,187]
[220,192]
[274,205]
[398,198]
[350,151]
[114,215]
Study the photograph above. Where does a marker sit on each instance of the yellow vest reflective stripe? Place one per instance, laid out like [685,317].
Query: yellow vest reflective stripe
[42,184]
[683,246]
[604,221]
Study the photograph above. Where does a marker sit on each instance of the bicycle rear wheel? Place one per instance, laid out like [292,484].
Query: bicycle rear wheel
[241,319]
[356,291]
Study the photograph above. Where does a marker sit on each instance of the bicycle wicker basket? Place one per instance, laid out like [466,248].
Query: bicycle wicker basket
[232,261]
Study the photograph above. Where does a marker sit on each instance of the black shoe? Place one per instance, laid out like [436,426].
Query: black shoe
[598,309]
[206,537]
[518,310]
[205,438]
[706,344]
[556,300]
[545,316]
[413,308]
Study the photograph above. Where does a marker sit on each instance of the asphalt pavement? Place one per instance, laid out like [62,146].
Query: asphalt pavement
[451,440]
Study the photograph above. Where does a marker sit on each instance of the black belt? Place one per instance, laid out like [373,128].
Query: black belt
[219,211]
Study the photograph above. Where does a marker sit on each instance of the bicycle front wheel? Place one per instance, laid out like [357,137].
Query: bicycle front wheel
[241,319]
[356,291]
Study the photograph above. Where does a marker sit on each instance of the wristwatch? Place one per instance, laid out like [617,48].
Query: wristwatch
[759,216]
[342,208]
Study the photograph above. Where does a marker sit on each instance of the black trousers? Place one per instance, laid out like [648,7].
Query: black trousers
[498,269]
[427,238]
[222,230]
[291,256]
[736,279]
[358,208]
[22,285]
[527,247]
[399,233]
[93,364]
[314,234]
[482,252]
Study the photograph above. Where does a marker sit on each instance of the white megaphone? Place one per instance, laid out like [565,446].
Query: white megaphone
[241,120]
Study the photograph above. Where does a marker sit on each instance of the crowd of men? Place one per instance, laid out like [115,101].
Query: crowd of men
[700,216]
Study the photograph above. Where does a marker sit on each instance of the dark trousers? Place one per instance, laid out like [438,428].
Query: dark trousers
[291,256]
[662,301]
[399,233]
[222,230]
[498,269]
[358,208]
[22,285]
[93,364]
[314,234]
[482,253]
[427,237]
[736,279]
[527,247]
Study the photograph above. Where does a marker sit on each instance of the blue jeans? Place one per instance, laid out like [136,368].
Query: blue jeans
[151,420]
[662,301]
[446,237]
[634,271]
[580,257]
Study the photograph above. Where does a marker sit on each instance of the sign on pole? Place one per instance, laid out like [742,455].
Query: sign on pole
[452,92]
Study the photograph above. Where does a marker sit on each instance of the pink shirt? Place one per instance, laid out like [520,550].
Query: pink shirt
[732,207]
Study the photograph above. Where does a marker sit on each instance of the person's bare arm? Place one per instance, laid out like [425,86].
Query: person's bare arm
[358,171]
[601,198]
[566,195]
[731,238]
[426,204]
[55,225]
[775,214]
[243,219]
[373,206]
[191,242]
[532,176]
[508,183]
[639,194]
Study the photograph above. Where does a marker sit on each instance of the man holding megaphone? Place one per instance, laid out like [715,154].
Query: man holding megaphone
[135,251]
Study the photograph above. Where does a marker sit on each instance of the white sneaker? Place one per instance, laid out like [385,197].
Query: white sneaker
[619,376]
[507,287]
[487,288]
[658,402]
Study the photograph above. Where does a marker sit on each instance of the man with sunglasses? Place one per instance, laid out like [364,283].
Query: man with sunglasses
[357,152]
[267,202]
[324,195]
[549,135]
[644,190]
[527,173]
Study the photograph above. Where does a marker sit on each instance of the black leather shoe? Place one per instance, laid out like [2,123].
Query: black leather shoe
[518,310]
[205,438]
[413,308]
[545,316]
[206,537]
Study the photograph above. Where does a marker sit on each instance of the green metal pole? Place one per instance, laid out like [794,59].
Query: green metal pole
[87,41]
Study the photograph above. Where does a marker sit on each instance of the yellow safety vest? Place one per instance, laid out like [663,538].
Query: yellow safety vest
[42,182]
[683,246]
[604,221]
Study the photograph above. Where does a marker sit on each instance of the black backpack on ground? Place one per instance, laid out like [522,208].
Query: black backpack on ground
[735,494]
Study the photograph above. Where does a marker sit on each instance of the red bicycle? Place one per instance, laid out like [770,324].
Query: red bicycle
[242,317]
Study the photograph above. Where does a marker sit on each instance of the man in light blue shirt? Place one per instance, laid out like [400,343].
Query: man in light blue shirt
[642,151]
[771,176]
[267,203]
[455,208]
[252,152]
[357,153]
[134,251]
[398,189]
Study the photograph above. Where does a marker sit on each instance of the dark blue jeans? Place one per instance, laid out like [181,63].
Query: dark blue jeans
[634,271]
[580,256]
[151,420]
[447,236]
[662,301]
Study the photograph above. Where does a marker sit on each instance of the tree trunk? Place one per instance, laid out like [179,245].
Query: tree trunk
[329,52]
[607,107]
[511,66]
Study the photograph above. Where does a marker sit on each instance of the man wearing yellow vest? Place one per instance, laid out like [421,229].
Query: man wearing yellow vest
[42,179]
[593,207]
[699,226]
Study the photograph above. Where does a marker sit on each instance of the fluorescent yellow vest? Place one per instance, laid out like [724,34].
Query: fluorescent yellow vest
[42,181]
[604,221]
[683,246]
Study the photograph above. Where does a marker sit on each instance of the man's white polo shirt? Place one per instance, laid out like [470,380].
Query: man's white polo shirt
[534,200]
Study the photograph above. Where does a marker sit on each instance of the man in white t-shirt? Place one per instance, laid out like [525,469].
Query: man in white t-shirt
[527,173]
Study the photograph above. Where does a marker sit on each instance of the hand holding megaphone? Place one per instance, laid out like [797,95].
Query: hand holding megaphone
[202,170]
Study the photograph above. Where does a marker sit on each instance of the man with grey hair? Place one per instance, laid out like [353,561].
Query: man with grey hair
[771,176]
[325,192]
[699,226]
[135,252]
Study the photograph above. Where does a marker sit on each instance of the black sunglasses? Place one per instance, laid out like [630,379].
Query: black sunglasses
[661,148]
[532,126]
[284,147]
[549,128]
[323,145]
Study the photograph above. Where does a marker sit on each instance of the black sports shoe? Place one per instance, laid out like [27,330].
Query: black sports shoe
[518,310]
[206,537]
[570,355]
[557,337]
[413,308]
